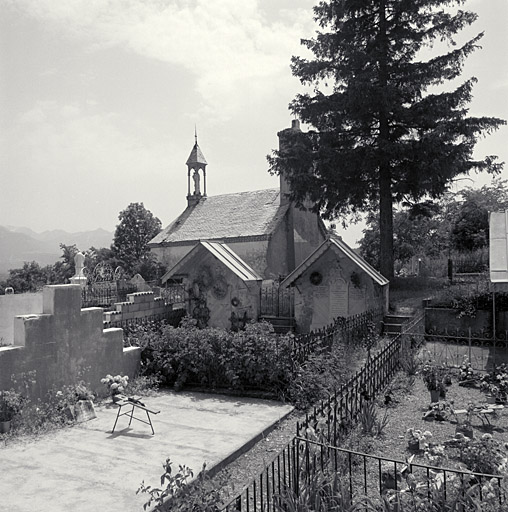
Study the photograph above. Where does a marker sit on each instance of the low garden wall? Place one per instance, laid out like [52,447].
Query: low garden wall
[63,345]
[138,306]
[447,320]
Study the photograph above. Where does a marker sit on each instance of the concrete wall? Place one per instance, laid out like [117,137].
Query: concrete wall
[65,344]
[16,304]
[338,294]
[171,255]
[138,306]
[219,286]
[308,234]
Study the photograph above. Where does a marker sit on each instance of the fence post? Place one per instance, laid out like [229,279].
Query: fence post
[469,341]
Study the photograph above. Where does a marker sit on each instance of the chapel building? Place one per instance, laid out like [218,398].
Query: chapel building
[263,227]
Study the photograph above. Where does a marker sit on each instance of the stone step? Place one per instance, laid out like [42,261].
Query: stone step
[392,328]
[396,319]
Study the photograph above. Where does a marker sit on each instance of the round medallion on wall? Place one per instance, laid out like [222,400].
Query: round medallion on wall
[235,302]
[220,289]
[316,278]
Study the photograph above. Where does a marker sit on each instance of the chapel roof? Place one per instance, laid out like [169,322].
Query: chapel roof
[222,253]
[196,156]
[238,215]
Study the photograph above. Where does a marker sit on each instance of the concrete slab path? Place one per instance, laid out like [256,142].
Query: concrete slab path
[87,468]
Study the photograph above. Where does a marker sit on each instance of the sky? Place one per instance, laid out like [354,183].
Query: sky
[99,100]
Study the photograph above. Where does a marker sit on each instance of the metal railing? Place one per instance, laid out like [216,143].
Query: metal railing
[374,476]
[451,347]
[332,419]
[347,330]
[172,317]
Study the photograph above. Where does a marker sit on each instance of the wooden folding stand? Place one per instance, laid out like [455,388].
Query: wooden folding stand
[135,403]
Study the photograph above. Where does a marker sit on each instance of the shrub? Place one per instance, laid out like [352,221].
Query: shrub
[255,357]
[322,374]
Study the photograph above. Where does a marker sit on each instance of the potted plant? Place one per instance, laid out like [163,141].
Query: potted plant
[434,376]
[417,440]
[11,403]
[465,426]
[116,385]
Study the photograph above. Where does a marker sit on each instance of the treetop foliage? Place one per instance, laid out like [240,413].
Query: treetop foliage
[379,132]
[136,228]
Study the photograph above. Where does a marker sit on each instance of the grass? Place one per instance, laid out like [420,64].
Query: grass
[409,292]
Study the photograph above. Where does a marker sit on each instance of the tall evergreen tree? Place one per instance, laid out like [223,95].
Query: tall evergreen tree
[380,133]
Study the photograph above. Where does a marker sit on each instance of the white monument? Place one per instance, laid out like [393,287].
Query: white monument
[79,276]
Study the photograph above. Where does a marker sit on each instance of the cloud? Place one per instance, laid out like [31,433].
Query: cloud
[229,45]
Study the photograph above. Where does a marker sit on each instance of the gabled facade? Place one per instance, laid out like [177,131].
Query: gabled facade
[262,227]
[222,290]
[334,281]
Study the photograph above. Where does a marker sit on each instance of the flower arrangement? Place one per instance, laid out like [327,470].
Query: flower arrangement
[435,454]
[440,411]
[11,403]
[116,384]
[416,439]
[467,376]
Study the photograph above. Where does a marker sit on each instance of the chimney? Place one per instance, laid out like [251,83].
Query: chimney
[284,185]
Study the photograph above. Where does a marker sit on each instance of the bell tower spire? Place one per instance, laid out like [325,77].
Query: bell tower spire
[196,163]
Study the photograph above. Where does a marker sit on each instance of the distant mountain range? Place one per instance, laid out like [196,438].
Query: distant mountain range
[18,245]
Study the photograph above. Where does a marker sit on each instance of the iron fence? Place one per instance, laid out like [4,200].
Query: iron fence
[451,346]
[367,475]
[276,301]
[172,317]
[331,419]
[347,330]
[174,294]
[104,295]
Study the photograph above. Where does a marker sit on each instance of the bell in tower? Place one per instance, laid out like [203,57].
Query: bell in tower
[196,164]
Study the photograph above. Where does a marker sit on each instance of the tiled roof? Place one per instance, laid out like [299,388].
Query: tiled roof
[244,214]
[196,156]
[224,254]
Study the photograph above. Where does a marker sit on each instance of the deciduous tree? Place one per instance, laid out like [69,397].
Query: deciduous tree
[136,228]
[381,132]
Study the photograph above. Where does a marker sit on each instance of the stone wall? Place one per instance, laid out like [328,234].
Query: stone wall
[65,344]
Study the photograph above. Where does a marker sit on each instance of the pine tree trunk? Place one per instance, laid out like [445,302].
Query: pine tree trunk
[385,222]
[385,178]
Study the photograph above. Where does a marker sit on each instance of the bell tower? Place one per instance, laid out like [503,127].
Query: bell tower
[196,164]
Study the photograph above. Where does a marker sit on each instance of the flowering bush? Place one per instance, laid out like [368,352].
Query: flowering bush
[484,455]
[11,403]
[116,384]
[496,382]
